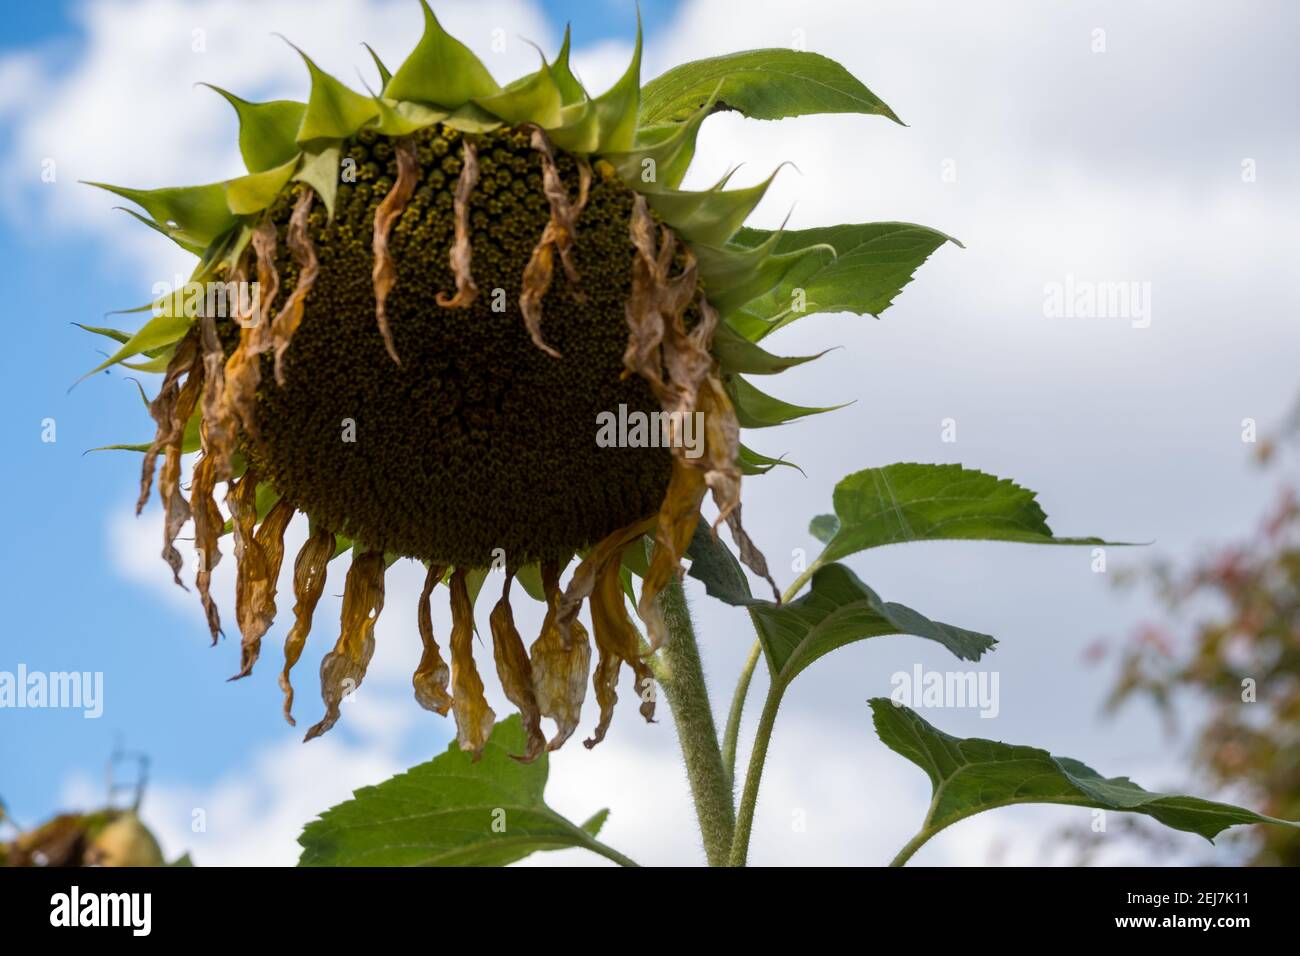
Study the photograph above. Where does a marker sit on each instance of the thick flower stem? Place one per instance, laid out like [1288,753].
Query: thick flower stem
[682,678]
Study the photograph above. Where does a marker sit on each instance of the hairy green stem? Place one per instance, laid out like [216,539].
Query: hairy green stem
[609,853]
[757,757]
[682,678]
[731,736]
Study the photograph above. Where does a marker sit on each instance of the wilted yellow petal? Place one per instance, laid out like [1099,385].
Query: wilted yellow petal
[462,253]
[474,718]
[432,676]
[343,668]
[384,275]
[584,576]
[559,671]
[309,571]
[618,643]
[255,585]
[675,525]
[516,673]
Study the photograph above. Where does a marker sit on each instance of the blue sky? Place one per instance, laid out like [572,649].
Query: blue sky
[1119,165]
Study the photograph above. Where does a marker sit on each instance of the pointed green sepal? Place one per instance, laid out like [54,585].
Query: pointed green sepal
[384,75]
[753,463]
[189,214]
[320,171]
[267,131]
[606,124]
[161,330]
[440,70]
[755,409]
[660,155]
[711,216]
[176,238]
[254,192]
[571,91]
[401,118]
[334,111]
[534,98]
[734,275]
[735,354]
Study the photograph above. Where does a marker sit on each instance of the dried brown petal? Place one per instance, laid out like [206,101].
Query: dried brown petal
[678,515]
[304,254]
[516,673]
[220,432]
[163,410]
[432,676]
[558,234]
[618,643]
[176,511]
[243,372]
[384,276]
[564,213]
[343,669]
[208,525]
[559,672]
[462,253]
[474,718]
[537,280]
[255,586]
[309,571]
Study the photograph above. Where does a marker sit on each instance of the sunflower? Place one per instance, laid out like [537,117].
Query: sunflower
[453,283]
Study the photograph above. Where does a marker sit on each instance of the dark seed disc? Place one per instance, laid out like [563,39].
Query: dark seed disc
[478,441]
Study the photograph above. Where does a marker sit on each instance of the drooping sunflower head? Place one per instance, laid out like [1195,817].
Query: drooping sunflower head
[477,326]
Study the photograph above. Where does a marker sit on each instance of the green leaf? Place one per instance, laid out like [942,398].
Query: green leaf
[873,262]
[911,502]
[839,609]
[762,84]
[823,527]
[440,70]
[755,409]
[713,564]
[450,812]
[267,131]
[972,775]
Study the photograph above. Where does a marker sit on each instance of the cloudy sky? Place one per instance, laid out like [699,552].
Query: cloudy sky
[1080,142]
